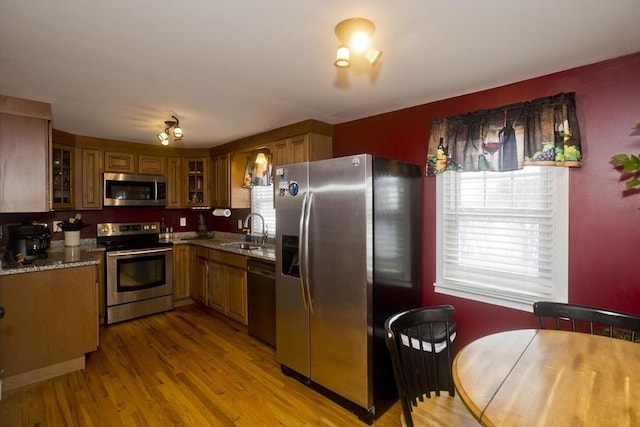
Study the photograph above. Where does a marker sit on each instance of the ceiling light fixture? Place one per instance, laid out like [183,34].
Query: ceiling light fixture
[355,35]
[177,131]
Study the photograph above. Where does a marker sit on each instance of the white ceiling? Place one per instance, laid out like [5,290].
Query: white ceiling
[233,68]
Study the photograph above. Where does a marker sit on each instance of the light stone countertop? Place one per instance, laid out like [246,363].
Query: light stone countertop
[60,256]
[220,241]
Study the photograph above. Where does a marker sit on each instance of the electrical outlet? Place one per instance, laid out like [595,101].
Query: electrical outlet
[56,227]
[183,221]
[239,224]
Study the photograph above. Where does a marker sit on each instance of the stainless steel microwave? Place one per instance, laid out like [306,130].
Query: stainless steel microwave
[124,189]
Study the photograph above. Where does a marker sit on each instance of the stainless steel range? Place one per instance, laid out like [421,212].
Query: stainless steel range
[139,270]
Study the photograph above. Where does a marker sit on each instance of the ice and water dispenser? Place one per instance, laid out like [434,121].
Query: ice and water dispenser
[290,261]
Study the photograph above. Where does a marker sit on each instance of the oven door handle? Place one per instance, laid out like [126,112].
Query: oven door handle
[140,252]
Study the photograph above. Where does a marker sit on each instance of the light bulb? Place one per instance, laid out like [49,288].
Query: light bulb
[162,136]
[177,133]
[342,57]
[372,55]
[359,42]
[261,159]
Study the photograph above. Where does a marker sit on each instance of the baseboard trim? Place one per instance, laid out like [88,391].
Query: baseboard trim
[41,374]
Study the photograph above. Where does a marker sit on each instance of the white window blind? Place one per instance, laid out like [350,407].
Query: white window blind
[262,203]
[502,236]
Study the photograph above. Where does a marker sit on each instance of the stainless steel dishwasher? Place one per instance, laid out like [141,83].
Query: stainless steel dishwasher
[261,300]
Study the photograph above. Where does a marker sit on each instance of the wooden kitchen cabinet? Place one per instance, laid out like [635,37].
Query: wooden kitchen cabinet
[174,182]
[220,174]
[25,139]
[151,165]
[197,181]
[181,273]
[220,282]
[228,284]
[63,175]
[119,162]
[236,298]
[100,276]
[200,275]
[216,286]
[307,147]
[50,322]
[90,179]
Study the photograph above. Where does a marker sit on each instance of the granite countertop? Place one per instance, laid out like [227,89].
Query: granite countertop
[221,241]
[60,256]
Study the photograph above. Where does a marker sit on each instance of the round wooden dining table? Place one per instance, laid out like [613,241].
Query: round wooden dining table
[533,377]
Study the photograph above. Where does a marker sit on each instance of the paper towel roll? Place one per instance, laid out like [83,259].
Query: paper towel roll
[221,212]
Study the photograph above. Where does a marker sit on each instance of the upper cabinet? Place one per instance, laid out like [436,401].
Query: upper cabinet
[25,150]
[119,162]
[188,182]
[76,173]
[63,170]
[151,165]
[220,174]
[174,182]
[301,148]
[196,182]
[134,163]
[90,177]
[56,170]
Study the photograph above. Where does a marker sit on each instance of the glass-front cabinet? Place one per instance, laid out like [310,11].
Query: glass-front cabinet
[197,193]
[62,170]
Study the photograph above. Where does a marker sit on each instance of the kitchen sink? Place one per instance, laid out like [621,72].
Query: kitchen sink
[243,245]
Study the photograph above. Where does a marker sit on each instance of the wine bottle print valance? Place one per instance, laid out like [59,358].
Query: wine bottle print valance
[543,131]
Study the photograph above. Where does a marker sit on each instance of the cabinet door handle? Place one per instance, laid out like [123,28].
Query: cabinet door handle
[1,312]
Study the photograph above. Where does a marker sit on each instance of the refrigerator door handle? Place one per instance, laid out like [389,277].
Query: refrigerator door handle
[301,252]
[306,251]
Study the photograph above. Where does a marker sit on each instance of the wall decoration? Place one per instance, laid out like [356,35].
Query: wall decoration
[543,131]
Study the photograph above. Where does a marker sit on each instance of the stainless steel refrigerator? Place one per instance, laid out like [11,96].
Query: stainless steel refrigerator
[349,255]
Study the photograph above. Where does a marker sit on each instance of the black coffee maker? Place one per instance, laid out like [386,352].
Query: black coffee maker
[27,242]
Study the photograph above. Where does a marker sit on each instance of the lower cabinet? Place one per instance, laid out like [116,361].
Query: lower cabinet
[220,279]
[50,322]
[181,273]
[200,274]
[100,276]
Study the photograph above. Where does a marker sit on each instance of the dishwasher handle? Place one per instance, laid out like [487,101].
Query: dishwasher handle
[261,272]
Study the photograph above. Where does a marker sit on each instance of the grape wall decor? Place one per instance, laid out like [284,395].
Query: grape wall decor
[540,132]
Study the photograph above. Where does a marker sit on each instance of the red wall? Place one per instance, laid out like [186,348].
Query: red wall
[604,221]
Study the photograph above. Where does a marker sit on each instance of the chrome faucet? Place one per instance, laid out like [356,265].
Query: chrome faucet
[263,236]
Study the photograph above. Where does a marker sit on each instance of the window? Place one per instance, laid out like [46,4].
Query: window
[262,203]
[502,237]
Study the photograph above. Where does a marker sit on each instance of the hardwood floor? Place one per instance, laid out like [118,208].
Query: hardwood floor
[185,367]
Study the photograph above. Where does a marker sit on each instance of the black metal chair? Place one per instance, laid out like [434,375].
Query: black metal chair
[419,343]
[612,323]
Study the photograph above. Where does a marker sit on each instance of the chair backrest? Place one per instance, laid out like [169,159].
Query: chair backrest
[628,323]
[419,343]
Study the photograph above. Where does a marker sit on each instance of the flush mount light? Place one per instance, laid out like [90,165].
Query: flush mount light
[172,127]
[354,35]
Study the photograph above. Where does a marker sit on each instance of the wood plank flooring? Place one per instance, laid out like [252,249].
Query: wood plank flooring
[185,367]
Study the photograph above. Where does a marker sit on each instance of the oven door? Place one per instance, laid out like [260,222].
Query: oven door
[139,274]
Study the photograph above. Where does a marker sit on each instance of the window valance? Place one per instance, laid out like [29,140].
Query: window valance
[543,131]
